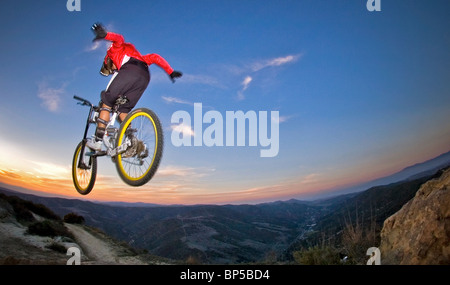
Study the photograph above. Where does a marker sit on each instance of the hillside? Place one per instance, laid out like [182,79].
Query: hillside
[353,223]
[227,234]
[233,234]
[208,234]
[32,234]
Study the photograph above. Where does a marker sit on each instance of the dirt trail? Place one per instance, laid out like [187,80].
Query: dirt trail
[99,251]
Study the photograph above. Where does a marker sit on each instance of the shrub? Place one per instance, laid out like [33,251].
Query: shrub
[49,228]
[318,256]
[22,213]
[57,247]
[192,260]
[357,238]
[73,218]
[43,211]
[23,209]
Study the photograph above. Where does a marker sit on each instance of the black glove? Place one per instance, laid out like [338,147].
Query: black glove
[99,31]
[175,74]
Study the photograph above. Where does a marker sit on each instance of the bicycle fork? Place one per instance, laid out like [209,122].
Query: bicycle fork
[89,121]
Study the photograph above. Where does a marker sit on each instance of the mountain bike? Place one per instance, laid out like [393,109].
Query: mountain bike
[135,146]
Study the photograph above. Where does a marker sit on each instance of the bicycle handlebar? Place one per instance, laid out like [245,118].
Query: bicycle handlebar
[84,101]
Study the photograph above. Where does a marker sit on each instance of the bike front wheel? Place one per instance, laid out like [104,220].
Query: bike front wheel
[142,132]
[84,169]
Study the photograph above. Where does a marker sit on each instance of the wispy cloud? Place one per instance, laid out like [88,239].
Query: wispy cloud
[278,61]
[51,97]
[202,79]
[282,119]
[50,169]
[262,64]
[230,72]
[310,178]
[184,129]
[94,46]
[183,171]
[176,100]
[245,83]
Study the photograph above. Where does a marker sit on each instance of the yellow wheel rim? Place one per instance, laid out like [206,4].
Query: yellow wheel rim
[80,173]
[121,136]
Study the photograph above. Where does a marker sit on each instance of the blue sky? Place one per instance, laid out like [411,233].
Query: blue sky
[360,94]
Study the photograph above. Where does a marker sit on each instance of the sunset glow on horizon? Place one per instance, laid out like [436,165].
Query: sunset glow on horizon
[170,186]
[353,95]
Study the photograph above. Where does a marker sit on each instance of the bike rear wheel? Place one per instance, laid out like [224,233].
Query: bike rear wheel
[140,161]
[84,171]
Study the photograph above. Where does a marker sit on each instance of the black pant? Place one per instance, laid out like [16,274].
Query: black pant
[132,80]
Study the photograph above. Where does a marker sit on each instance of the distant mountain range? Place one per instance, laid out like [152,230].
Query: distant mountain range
[409,173]
[204,233]
[231,234]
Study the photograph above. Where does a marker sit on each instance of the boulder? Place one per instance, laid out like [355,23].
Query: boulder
[419,233]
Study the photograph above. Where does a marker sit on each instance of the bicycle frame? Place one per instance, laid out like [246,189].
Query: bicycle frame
[136,152]
[89,121]
[110,133]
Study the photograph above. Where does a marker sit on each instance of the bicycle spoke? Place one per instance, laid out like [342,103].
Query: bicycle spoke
[83,178]
[139,162]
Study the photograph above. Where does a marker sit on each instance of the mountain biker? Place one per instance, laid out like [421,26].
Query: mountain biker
[130,78]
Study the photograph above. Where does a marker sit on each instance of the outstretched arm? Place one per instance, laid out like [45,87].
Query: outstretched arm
[161,62]
[158,60]
[117,39]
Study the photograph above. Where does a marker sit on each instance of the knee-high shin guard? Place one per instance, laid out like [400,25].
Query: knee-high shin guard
[99,133]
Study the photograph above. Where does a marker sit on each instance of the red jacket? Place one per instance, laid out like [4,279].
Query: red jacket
[119,48]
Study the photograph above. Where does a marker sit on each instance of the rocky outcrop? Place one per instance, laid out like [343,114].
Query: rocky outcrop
[419,233]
